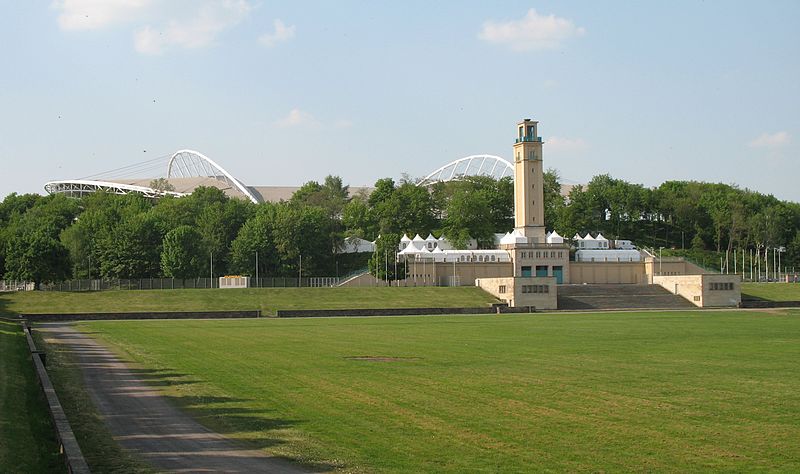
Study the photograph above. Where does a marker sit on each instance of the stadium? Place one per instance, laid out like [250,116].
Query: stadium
[180,173]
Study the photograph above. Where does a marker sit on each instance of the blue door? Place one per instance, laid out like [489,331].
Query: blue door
[558,272]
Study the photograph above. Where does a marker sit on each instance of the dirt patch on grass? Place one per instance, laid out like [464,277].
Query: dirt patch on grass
[374,358]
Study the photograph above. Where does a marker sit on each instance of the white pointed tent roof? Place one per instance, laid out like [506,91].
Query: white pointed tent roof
[405,238]
[589,237]
[417,242]
[600,237]
[577,237]
[554,238]
[431,238]
[515,237]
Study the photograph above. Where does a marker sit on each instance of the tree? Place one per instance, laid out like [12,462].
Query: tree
[468,215]
[302,231]
[358,219]
[161,184]
[131,250]
[181,256]
[382,263]
[256,235]
[793,250]
[409,209]
[554,202]
[218,224]
[35,255]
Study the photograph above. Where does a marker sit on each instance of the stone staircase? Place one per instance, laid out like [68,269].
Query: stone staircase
[590,297]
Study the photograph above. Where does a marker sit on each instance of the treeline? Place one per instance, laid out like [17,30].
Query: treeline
[52,238]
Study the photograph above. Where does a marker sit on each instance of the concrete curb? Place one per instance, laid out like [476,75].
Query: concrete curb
[323,313]
[68,444]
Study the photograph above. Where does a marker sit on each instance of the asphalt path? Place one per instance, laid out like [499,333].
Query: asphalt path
[146,424]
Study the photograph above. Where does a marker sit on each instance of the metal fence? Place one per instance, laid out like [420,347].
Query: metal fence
[15,285]
[178,283]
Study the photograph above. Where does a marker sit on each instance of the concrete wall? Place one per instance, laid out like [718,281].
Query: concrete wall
[608,272]
[511,291]
[698,289]
[638,273]
[441,273]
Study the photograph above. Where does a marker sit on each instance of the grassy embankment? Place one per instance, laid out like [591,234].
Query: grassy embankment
[683,391]
[266,299]
[772,291]
[27,440]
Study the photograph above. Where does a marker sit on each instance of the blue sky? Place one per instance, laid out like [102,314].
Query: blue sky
[280,93]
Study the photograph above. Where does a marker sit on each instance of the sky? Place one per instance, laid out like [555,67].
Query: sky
[281,93]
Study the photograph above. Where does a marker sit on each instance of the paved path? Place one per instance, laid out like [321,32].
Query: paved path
[146,424]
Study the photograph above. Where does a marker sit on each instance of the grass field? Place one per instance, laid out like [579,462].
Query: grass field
[772,291]
[682,391]
[27,442]
[265,299]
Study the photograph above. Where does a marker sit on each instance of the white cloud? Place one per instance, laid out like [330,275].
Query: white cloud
[343,123]
[199,31]
[566,144]
[533,32]
[301,118]
[282,33]
[770,140]
[550,83]
[297,118]
[95,14]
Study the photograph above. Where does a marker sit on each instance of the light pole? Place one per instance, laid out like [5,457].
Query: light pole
[659,260]
[256,268]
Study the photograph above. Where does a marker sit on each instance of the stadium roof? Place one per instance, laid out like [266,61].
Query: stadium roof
[186,170]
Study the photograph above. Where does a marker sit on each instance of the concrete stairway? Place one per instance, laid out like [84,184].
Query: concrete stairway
[586,297]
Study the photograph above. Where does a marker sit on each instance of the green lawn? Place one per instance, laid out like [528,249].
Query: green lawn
[681,391]
[27,440]
[265,299]
[772,291]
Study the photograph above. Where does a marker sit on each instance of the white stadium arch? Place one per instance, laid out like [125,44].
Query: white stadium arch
[186,170]
[473,165]
[190,164]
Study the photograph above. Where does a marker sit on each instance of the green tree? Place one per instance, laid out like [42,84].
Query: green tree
[409,209]
[554,201]
[302,231]
[358,219]
[256,235]
[35,255]
[382,262]
[181,256]
[468,215]
[161,184]
[131,250]
[218,224]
